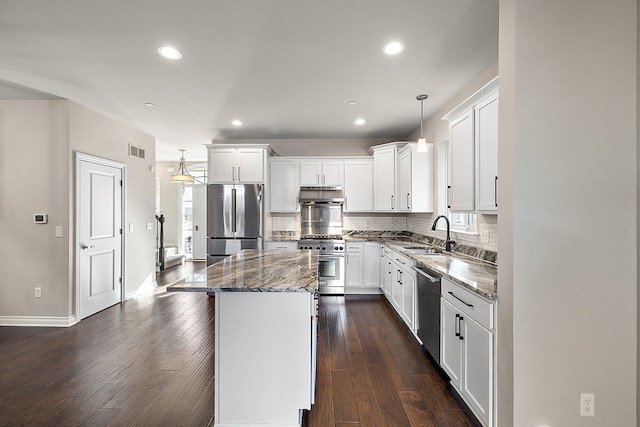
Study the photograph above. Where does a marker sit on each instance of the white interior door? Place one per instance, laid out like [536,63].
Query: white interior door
[199,233]
[99,234]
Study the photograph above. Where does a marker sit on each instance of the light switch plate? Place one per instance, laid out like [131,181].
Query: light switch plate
[149,226]
[58,231]
[131,227]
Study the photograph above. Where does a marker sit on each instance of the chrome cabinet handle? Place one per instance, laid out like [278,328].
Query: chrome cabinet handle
[408,201]
[233,173]
[399,261]
[448,191]
[495,191]
[84,247]
[238,173]
[456,325]
[460,319]
[391,202]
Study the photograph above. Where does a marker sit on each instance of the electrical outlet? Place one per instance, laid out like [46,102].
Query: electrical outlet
[587,404]
[38,292]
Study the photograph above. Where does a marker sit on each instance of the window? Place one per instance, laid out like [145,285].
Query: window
[459,221]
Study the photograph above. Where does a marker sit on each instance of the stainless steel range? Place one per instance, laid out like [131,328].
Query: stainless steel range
[331,277]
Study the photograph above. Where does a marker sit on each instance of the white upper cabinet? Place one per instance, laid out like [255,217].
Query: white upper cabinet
[384,178]
[415,179]
[236,165]
[329,172]
[461,164]
[486,139]
[358,185]
[283,185]
[473,152]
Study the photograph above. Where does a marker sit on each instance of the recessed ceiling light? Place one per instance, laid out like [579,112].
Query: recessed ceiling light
[393,48]
[149,104]
[170,53]
[360,122]
[236,122]
[352,102]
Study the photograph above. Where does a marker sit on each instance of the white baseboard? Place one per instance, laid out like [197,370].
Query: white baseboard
[47,321]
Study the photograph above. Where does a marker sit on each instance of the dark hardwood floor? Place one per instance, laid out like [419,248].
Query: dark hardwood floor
[149,362]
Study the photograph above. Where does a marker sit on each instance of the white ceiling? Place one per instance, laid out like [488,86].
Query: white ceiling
[286,68]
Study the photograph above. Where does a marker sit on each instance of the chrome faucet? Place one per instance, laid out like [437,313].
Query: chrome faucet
[448,242]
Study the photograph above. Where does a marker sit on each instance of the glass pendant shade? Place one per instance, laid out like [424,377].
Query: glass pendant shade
[422,145]
[182,175]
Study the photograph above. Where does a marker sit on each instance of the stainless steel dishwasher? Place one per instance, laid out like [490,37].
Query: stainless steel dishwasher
[428,288]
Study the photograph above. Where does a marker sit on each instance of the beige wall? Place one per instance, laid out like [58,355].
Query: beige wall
[38,141]
[169,201]
[568,149]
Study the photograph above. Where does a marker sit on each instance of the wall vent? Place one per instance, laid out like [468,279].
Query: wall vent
[136,151]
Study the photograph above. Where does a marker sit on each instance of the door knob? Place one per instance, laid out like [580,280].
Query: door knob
[83,246]
[196,228]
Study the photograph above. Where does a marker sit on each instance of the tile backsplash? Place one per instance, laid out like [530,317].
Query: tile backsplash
[487,237]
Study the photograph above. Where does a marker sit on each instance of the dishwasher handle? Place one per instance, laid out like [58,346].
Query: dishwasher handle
[425,274]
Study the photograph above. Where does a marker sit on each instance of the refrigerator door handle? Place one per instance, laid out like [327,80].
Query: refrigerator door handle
[233,210]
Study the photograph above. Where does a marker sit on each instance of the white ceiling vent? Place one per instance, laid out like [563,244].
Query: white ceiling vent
[136,151]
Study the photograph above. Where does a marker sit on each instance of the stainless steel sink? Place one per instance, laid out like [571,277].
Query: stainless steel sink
[420,250]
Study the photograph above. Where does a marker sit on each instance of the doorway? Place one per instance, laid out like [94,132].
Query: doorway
[99,238]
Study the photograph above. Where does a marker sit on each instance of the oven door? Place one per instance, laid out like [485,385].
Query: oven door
[331,274]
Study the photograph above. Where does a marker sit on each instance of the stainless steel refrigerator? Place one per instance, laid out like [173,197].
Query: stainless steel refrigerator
[234,219]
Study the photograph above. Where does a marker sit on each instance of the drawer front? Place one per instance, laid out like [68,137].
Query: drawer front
[403,261]
[387,252]
[481,310]
[355,247]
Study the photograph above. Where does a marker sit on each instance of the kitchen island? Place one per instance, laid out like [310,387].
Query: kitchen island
[265,335]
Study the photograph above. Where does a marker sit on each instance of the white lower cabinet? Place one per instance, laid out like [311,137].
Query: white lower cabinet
[362,267]
[354,265]
[402,288]
[386,270]
[467,347]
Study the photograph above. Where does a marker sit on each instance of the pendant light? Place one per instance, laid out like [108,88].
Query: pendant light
[183,175]
[422,142]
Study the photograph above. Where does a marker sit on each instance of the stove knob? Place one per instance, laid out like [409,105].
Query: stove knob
[341,248]
[301,248]
[335,249]
[318,247]
[324,248]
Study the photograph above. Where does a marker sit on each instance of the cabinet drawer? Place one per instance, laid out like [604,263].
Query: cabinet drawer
[355,247]
[387,252]
[469,303]
[403,261]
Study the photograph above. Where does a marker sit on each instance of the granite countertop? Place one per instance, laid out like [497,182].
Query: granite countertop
[253,270]
[475,275]
[471,268]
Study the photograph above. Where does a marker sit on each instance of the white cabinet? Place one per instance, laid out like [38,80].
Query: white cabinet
[358,185]
[473,152]
[415,179]
[461,163]
[386,271]
[384,178]
[354,264]
[283,185]
[467,347]
[403,289]
[362,269]
[236,165]
[371,265]
[275,244]
[486,140]
[322,172]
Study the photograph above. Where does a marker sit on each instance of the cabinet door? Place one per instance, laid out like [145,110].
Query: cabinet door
[358,186]
[384,179]
[404,178]
[332,173]
[353,274]
[221,165]
[371,265]
[478,368]
[310,173]
[396,288]
[408,298]
[250,165]
[486,139]
[450,346]
[284,188]
[462,189]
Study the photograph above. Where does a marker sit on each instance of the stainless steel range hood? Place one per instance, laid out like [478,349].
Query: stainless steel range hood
[324,194]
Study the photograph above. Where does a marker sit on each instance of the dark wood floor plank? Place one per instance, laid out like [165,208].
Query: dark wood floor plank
[149,361]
